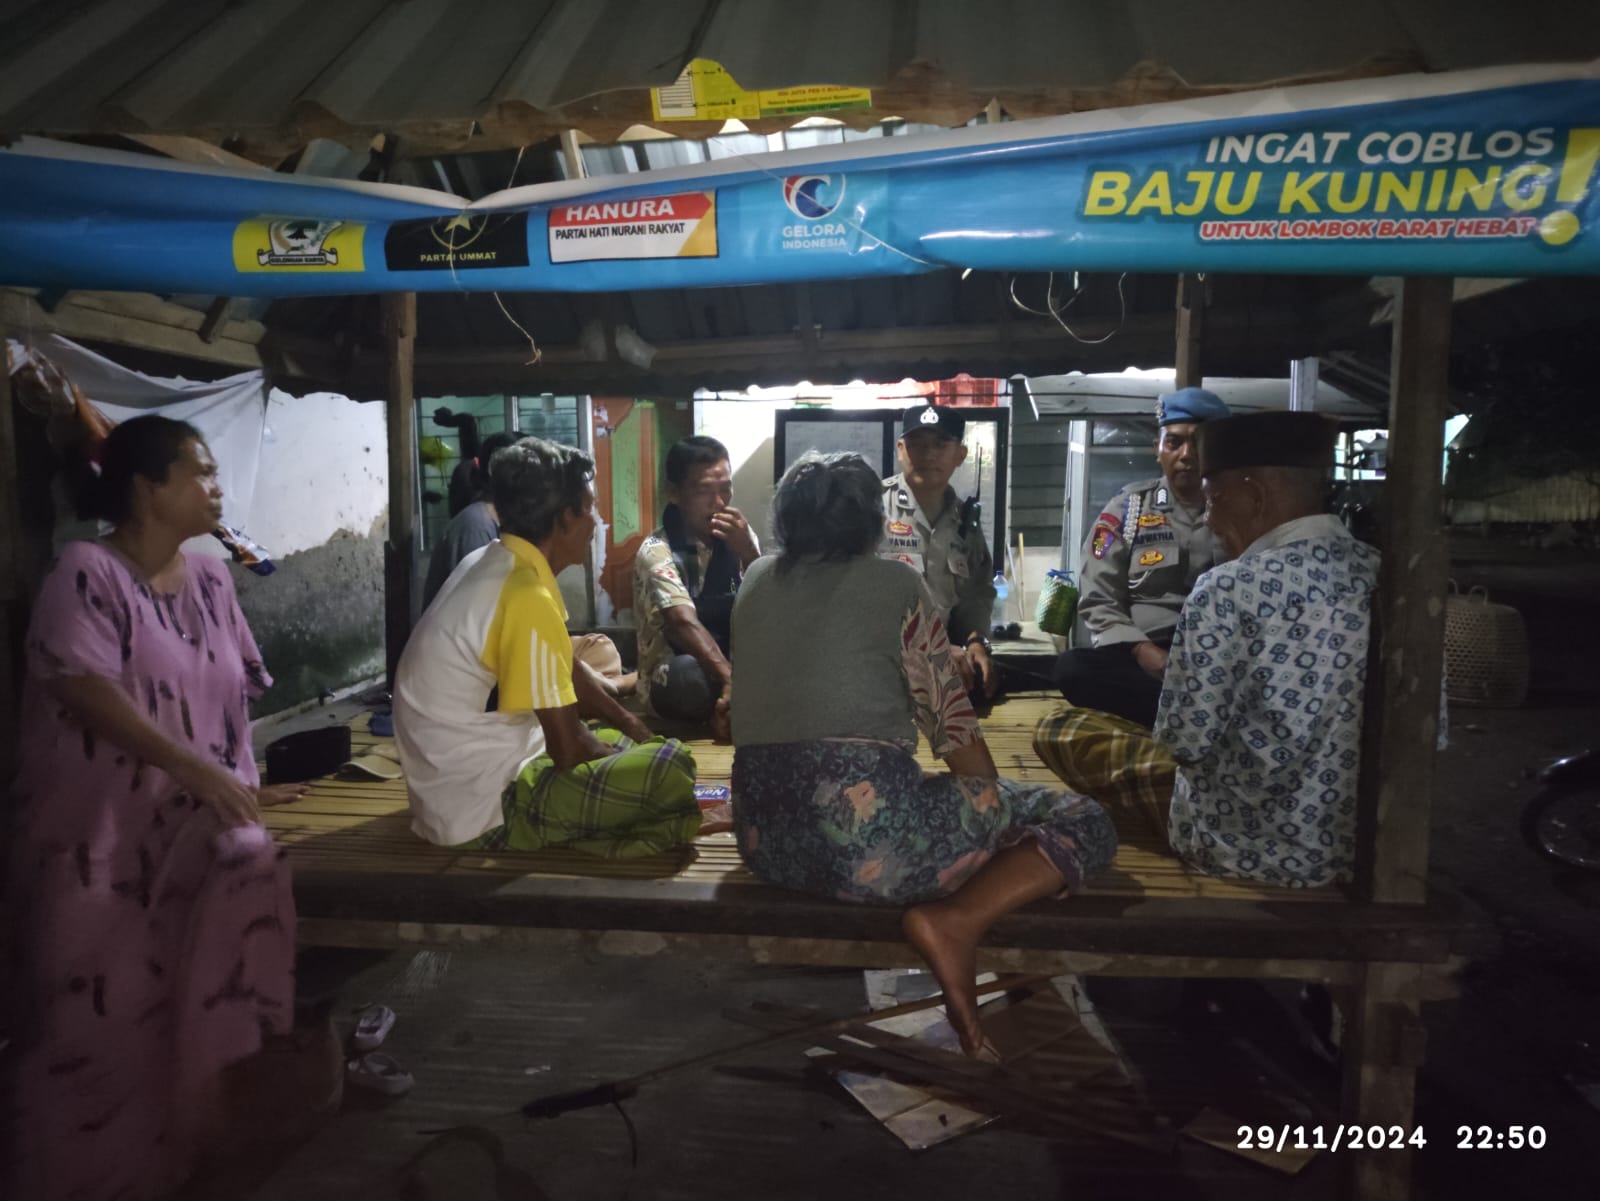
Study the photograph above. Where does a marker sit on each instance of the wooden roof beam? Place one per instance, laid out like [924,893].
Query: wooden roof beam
[143,322]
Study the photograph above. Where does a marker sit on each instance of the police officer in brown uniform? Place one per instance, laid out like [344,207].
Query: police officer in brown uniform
[1147,548]
[923,527]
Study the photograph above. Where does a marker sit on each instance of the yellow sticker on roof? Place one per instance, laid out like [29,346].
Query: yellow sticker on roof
[706,92]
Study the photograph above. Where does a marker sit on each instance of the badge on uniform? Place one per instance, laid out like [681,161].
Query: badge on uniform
[1149,521]
[901,529]
[1150,558]
[1104,536]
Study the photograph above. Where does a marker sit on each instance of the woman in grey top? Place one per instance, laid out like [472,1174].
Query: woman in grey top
[842,658]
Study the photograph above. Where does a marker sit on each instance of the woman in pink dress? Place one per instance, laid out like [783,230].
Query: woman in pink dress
[153,927]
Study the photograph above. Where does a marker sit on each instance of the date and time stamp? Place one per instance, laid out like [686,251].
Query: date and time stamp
[1280,1139]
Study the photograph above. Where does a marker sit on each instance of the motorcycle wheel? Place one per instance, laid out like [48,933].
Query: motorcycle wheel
[1564,825]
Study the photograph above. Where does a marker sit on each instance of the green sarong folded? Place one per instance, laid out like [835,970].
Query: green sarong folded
[637,802]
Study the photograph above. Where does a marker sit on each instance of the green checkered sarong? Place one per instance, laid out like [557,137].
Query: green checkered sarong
[1116,761]
[637,802]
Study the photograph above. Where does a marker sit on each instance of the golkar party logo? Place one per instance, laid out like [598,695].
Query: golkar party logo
[299,244]
[813,199]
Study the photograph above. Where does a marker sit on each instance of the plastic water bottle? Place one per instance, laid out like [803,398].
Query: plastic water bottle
[1001,592]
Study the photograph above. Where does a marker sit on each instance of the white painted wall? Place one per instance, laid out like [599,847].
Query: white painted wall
[324,468]
[746,428]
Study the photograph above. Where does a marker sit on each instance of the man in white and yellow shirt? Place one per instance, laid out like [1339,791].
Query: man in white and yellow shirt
[487,717]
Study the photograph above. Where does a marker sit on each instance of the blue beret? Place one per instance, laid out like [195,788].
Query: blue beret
[1189,404]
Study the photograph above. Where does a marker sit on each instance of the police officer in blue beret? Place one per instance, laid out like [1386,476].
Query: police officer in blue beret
[1143,555]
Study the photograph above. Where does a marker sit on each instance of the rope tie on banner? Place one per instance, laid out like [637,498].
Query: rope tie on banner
[534,353]
[533,347]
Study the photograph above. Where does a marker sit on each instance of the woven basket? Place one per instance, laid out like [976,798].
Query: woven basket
[1485,650]
[1057,606]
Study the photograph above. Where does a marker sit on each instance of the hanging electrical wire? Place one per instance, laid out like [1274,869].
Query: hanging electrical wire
[1055,311]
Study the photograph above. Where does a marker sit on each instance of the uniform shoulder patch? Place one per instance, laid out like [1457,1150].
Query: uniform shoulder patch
[1102,538]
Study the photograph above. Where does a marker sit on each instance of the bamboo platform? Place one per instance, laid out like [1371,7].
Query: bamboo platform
[363,878]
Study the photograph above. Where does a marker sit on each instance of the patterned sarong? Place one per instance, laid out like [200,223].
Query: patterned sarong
[861,821]
[1112,759]
[637,802]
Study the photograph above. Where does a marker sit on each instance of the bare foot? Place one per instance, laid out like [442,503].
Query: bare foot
[937,933]
[280,794]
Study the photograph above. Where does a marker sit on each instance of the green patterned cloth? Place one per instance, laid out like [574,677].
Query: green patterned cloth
[637,802]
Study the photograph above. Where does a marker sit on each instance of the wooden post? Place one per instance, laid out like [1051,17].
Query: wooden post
[572,155]
[1191,330]
[1384,1045]
[13,597]
[399,338]
[1401,724]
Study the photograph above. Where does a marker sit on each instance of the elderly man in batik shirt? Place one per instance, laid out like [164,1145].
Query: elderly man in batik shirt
[1251,769]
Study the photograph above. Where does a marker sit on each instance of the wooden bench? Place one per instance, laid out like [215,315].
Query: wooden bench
[362,878]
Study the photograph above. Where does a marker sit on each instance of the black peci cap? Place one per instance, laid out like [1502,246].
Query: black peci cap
[1275,439]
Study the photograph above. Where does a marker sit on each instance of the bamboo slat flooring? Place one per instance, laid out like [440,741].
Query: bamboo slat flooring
[359,825]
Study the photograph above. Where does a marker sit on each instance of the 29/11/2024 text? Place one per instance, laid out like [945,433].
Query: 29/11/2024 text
[1384,1138]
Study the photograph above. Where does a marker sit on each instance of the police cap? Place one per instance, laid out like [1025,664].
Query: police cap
[946,422]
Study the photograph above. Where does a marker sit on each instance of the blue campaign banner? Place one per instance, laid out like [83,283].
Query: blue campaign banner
[1489,173]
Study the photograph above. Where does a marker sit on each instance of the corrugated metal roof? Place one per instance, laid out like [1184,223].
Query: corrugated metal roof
[457,74]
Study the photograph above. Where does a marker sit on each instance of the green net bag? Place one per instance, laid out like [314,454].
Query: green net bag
[1058,604]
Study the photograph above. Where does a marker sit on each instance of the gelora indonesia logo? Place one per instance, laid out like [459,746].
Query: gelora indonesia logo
[814,199]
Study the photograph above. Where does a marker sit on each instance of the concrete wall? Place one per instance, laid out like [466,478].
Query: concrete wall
[321,509]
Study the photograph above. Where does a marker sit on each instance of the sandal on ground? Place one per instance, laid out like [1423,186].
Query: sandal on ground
[380,1073]
[372,1027]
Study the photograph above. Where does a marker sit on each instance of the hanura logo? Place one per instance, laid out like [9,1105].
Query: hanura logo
[813,197]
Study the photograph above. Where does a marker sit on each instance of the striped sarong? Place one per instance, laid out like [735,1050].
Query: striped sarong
[637,802]
[1112,759]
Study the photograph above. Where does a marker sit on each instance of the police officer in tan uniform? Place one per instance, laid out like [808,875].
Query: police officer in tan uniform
[923,527]
[1147,548]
